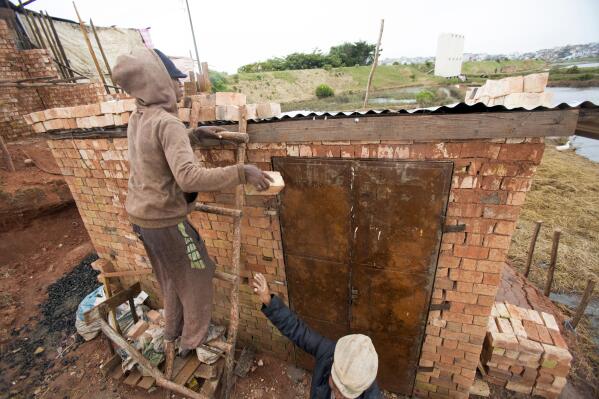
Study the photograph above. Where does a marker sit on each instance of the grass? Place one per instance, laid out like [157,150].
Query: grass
[565,195]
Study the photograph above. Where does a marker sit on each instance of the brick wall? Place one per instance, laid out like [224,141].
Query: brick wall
[16,102]
[490,181]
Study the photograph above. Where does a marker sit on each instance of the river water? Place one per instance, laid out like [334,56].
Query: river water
[585,147]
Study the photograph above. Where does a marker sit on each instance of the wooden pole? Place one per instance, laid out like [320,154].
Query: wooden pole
[36,28]
[531,248]
[193,35]
[91,50]
[556,235]
[102,52]
[376,60]
[28,18]
[46,31]
[234,315]
[9,164]
[67,64]
[586,298]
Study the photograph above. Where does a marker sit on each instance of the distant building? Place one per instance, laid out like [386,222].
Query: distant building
[450,52]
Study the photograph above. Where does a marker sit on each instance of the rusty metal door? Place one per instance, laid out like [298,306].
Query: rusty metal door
[361,239]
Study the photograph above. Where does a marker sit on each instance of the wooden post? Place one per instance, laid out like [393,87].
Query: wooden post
[91,50]
[102,52]
[552,263]
[205,85]
[586,298]
[38,33]
[37,39]
[193,35]
[234,315]
[9,164]
[376,60]
[59,44]
[531,248]
[46,31]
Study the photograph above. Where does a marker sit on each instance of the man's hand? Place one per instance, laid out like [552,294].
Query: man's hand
[256,177]
[208,132]
[261,288]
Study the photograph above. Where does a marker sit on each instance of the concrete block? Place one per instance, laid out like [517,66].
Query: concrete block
[275,187]
[536,82]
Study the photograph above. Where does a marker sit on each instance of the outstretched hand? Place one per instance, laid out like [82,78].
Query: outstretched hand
[257,178]
[261,288]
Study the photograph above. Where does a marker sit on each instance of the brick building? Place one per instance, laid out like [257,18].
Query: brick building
[392,224]
[18,64]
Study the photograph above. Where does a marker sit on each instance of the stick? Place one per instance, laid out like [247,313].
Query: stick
[37,39]
[46,30]
[91,50]
[59,45]
[586,298]
[145,363]
[52,39]
[102,52]
[234,315]
[552,263]
[376,60]
[531,248]
[9,164]
[193,35]
[36,29]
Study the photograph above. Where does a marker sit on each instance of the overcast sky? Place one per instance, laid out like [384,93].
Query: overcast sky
[232,33]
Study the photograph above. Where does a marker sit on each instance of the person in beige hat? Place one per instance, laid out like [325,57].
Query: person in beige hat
[345,369]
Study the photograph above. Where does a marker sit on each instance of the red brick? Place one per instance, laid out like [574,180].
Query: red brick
[471,252]
[521,152]
[462,297]
[505,212]
[468,276]
[488,266]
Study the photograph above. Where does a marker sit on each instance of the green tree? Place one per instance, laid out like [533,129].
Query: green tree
[357,53]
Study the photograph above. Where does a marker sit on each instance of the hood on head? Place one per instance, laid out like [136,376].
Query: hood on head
[141,74]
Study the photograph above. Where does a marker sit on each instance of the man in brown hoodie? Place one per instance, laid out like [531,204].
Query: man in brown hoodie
[164,179]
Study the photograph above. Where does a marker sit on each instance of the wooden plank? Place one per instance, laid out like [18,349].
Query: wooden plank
[419,127]
[207,371]
[146,382]
[133,377]
[101,310]
[210,386]
[187,371]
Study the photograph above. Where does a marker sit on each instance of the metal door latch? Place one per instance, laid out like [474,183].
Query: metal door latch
[354,295]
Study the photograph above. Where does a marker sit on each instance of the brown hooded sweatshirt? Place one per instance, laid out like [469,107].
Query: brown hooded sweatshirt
[162,165]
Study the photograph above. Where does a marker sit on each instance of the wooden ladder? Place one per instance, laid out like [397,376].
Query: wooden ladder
[102,311]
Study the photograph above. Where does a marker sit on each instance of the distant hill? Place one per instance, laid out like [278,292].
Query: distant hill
[556,54]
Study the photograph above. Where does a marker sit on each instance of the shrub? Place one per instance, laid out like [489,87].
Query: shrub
[324,90]
[425,97]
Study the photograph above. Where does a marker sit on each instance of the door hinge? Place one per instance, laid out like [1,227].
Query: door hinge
[440,306]
[454,228]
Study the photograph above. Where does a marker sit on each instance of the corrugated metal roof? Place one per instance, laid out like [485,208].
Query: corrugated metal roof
[457,108]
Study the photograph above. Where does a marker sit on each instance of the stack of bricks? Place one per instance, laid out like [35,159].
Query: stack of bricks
[16,102]
[105,114]
[525,352]
[513,92]
[490,181]
[223,106]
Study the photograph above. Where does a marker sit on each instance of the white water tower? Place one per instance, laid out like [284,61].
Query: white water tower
[450,52]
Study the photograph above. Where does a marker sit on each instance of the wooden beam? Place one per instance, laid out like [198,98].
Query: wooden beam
[553,262]
[418,127]
[91,50]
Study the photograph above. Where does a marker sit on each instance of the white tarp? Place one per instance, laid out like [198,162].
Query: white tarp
[114,40]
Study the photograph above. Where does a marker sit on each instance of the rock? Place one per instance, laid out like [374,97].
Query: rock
[296,374]
[39,350]
[260,363]
[29,162]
